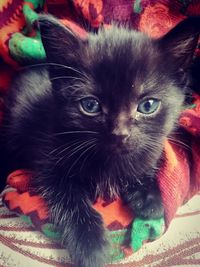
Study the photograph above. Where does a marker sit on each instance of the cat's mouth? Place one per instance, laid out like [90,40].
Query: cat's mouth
[118,149]
[117,145]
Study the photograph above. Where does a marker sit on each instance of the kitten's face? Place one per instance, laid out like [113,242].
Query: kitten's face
[122,86]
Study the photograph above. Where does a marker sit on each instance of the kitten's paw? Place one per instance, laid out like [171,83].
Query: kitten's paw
[147,205]
[90,250]
[90,247]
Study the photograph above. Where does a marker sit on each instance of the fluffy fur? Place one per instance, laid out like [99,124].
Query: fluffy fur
[76,157]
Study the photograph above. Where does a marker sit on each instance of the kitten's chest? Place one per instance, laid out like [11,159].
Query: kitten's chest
[105,186]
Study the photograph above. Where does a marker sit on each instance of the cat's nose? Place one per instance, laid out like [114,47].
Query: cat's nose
[122,135]
[123,132]
[122,127]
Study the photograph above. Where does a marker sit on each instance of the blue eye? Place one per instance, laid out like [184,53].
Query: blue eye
[90,106]
[148,106]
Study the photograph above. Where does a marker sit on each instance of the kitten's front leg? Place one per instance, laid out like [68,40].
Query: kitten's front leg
[81,227]
[144,199]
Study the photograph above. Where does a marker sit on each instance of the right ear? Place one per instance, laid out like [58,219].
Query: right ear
[180,42]
[61,44]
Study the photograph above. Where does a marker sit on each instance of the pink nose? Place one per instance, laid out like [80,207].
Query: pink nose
[122,126]
[121,131]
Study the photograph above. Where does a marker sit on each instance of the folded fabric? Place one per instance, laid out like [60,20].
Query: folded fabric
[118,218]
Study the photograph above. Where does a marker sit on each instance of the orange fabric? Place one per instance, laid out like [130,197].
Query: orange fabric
[115,210]
[19,179]
[25,204]
[151,21]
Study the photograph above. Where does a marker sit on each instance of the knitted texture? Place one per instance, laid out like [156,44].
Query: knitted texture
[117,217]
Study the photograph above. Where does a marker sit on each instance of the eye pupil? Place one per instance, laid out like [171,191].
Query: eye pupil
[148,106]
[91,105]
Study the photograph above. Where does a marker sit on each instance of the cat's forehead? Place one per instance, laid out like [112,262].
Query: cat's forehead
[121,61]
[118,44]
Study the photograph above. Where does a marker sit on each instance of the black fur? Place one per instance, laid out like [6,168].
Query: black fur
[76,158]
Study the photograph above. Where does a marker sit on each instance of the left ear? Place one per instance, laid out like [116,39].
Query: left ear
[60,42]
[180,42]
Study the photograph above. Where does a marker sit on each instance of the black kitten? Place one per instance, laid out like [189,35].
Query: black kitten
[93,121]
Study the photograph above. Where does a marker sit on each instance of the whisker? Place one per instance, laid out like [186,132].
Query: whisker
[58,65]
[65,148]
[74,151]
[74,164]
[179,143]
[92,154]
[66,77]
[77,89]
[76,132]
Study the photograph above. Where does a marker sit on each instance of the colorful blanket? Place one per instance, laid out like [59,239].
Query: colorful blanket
[21,245]
[179,177]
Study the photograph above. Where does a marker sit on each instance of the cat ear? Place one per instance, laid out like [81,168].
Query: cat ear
[180,42]
[60,42]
